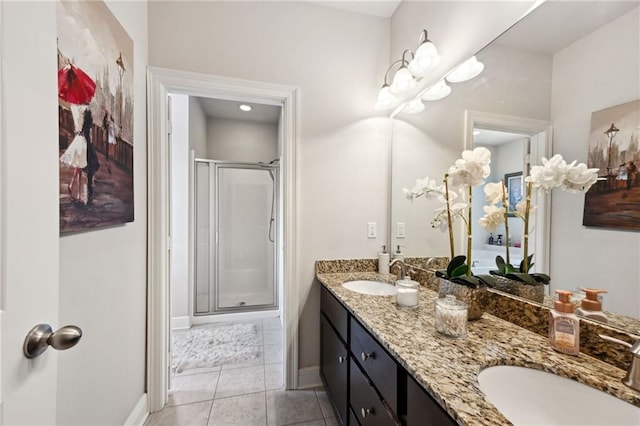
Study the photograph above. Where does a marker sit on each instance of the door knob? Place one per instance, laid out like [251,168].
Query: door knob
[42,336]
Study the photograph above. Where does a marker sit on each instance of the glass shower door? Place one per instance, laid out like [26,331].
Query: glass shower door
[246,205]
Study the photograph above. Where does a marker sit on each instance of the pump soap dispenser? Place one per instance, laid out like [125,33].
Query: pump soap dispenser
[398,254]
[564,325]
[383,261]
[591,307]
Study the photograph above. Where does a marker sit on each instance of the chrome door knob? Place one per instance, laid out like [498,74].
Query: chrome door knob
[340,359]
[42,336]
[367,411]
[365,356]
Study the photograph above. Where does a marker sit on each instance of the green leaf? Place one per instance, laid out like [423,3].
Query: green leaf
[500,263]
[468,281]
[530,258]
[541,278]
[460,270]
[508,269]
[441,273]
[525,278]
[454,264]
[488,280]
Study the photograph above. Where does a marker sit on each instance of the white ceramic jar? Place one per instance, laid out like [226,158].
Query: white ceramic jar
[407,292]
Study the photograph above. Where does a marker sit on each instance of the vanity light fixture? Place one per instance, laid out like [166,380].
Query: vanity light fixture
[245,107]
[436,92]
[403,81]
[386,99]
[426,57]
[465,71]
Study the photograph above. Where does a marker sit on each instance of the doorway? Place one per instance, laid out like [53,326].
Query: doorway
[163,82]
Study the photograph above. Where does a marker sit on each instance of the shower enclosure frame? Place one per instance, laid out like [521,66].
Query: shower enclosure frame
[213,245]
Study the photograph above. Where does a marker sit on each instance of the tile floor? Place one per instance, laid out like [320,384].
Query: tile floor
[244,394]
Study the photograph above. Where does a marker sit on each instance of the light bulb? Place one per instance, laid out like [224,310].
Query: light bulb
[465,71]
[403,82]
[425,60]
[386,100]
[245,107]
[437,91]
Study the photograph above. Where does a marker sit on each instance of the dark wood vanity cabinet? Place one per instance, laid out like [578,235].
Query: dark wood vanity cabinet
[422,409]
[365,384]
[334,362]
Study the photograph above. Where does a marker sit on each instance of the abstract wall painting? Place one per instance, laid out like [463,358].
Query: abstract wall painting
[614,148]
[95,117]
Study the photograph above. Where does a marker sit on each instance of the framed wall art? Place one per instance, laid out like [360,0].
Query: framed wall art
[95,117]
[513,182]
[614,148]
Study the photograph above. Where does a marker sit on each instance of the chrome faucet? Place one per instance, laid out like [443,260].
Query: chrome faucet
[403,267]
[632,379]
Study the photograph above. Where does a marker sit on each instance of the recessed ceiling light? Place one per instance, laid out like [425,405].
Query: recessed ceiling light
[245,107]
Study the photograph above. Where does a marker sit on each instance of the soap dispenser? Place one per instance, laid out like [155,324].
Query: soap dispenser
[564,325]
[398,254]
[383,261]
[590,306]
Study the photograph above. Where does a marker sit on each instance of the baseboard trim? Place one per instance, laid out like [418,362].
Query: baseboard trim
[180,323]
[309,377]
[139,413]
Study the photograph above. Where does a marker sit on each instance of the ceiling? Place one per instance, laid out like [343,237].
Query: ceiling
[555,25]
[220,108]
[380,8]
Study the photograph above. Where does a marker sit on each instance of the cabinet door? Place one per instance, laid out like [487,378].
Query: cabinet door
[422,410]
[333,369]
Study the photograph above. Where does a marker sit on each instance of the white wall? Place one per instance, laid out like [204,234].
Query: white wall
[240,140]
[597,72]
[103,282]
[337,59]
[180,207]
[197,128]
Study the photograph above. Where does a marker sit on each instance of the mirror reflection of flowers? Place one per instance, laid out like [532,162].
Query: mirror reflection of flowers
[467,172]
[553,173]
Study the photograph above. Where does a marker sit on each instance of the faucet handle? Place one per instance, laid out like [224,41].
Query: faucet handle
[635,348]
[632,379]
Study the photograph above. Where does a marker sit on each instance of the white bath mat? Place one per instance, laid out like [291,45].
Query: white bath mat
[211,345]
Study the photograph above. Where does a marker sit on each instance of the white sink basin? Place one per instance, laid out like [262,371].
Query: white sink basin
[374,288]
[532,397]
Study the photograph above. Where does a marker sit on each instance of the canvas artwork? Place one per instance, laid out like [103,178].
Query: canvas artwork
[95,116]
[614,148]
[513,182]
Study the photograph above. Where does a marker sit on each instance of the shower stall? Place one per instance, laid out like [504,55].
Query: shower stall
[236,237]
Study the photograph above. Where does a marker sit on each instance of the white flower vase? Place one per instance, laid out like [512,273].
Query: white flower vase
[475,298]
[534,293]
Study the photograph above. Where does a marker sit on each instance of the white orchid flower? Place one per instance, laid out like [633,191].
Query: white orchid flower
[494,191]
[471,169]
[579,178]
[426,186]
[493,217]
[520,208]
[550,174]
[441,218]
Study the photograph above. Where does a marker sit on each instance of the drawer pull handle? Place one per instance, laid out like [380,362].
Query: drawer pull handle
[340,359]
[365,356]
[366,411]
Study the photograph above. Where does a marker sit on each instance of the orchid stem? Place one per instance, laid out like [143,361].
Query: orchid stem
[525,250]
[506,219]
[469,263]
[446,197]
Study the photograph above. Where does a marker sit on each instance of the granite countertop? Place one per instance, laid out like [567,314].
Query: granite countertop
[447,368]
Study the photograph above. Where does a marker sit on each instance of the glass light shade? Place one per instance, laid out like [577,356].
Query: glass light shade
[425,59]
[465,71]
[414,107]
[403,82]
[386,99]
[437,91]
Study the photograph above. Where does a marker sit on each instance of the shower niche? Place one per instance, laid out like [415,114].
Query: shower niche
[236,236]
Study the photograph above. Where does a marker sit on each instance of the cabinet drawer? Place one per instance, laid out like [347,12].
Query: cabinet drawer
[376,363]
[353,420]
[335,312]
[422,409]
[367,406]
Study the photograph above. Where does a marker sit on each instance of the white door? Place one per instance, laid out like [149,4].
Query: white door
[29,210]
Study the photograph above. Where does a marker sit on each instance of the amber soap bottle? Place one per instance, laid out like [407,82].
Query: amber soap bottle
[564,325]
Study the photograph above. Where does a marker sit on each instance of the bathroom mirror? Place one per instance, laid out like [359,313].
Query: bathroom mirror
[524,81]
